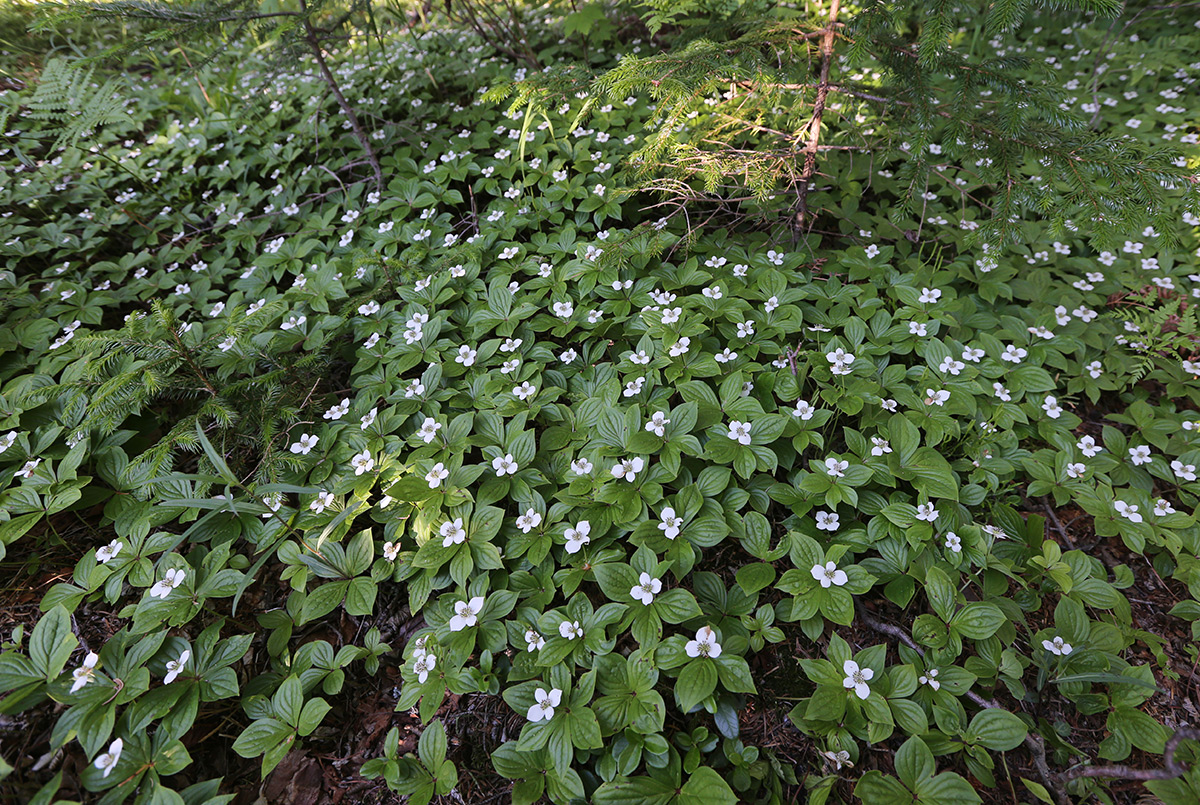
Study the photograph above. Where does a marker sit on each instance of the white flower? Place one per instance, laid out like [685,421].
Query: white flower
[107,553]
[658,423]
[544,704]
[839,759]
[745,329]
[528,521]
[84,673]
[1051,407]
[466,614]
[995,532]
[1127,510]
[646,588]
[671,315]
[835,468]
[938,397]
[1163,507]
[739,432]
[578,536]
[705,644]
[368,309]
[973,355]
[452,532]
[1087,445]
[305,444]
[570,631]
[680,347]
[888,405]
[504,465]
[524,391]
[28,468]
[634,387]
[1184,472]
[857,679]
[564,310]
[804,410]
[368,419]
[829,575]
[338,411]
[173,578]
[917,328]
[568,356]
[581,466]
[879,446]
[1140,455]
[391,551]
[1057,646]
[1013,354]
[927,512]
[8,440]
[428,430]
[953,542]
[1075,469]
[827,521]
[323,499]
[628,468]
[362,462]
[107,761]
[465,356]
[423,663]
[930,678]
[726,355]
[713,293]
[508,253]
[929,296]
[952,366]
[174,667]
[669,523]
[840,361]
[511,344]
[534,641]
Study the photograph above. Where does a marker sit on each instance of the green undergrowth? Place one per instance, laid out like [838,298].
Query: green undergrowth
[616,465]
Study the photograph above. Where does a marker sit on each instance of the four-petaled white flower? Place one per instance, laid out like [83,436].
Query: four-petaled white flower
[835,468]
[929,296]
[840,361]
[524,391]
[338,411]
[739,432]
[804,410]
[1127,510]
[938,397]
[930,678]
[671,315]
[391,551]
[1184,472]
[362,462]
[465,356]
[1087,446]
[926,512]
[1140,455]
[466,613]
[504,465]
[570,630]
[829,575]
[581,466]
[670,523]
[705,644]
[1075,469]
[628,468]
[1013,354]
[305,444]
[452,532]
[534,640]
[544,703]
[1057,646]
[1051,407]
[172,579]
[646,588]
[658,423]
[107,761]
[322,500]
[423,663]
[1163,507]
[839,759]
[953,542]
[827,521]
[528,521]
[107,553]
[436,475]
[952,366]
[880,446]
[857,678]
[428,430]
[174,667]
[84,673]
[578,536]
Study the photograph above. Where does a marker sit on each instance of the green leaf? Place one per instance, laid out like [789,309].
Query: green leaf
[52,642]
[997,729]
[696,682]
[978,620]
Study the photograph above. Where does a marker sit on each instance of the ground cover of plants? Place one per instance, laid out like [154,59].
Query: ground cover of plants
[501,481]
